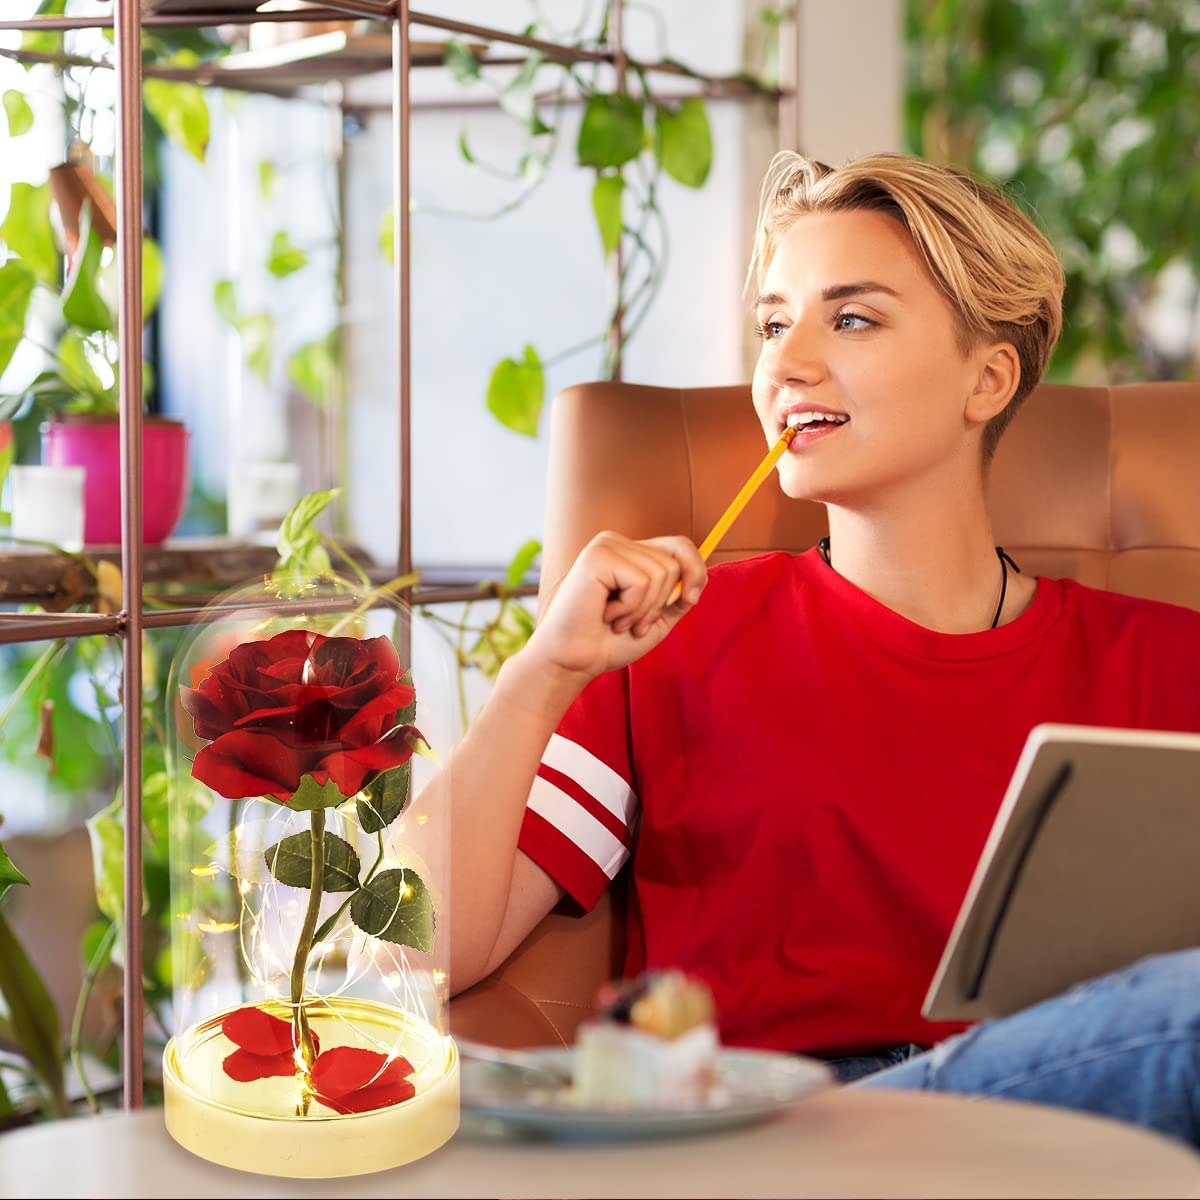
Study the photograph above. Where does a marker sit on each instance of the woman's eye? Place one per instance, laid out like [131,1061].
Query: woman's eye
[846,320]
[770,330]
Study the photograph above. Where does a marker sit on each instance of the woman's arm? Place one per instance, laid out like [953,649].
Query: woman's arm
[610,609]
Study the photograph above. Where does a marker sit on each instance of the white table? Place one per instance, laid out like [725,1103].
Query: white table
[840,1143]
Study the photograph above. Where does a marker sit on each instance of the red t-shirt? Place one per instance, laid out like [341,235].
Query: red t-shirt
[806,779]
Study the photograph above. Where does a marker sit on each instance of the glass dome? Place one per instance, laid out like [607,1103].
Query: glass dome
[309,876]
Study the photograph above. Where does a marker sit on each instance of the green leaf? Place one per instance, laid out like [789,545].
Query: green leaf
[606,204]
[10,873]
[258,337]
[267,178]
[387,236]
[20,115]
[463,65]
[83,305]
[32,1015]
[384,799]
[75,370]
[501,639]
[181,110]
[28,233]
[313,368]
[16,290]
[107,835]
[522,561]
[387,794]
[516,392]
[395,906]
[464,149]
[311,794]
[225,301]
[284,258]
[683,141]
[290,861]
[517,99]
[612,132]
[108,280]
[297,535]
[93,936]
[45,42]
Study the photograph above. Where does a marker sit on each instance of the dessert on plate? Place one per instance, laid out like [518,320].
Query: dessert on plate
[652,1041]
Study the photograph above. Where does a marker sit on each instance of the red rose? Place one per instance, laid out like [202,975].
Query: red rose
[300,704]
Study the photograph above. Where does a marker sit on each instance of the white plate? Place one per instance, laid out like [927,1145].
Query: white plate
[499,1099]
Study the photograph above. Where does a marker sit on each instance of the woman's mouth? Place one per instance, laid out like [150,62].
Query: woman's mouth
[812,426]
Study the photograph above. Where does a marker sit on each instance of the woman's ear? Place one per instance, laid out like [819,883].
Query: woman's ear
[999,376]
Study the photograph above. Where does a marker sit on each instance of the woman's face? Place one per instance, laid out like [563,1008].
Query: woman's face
[851,324]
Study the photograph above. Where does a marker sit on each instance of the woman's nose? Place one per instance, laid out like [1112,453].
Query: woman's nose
[797,359]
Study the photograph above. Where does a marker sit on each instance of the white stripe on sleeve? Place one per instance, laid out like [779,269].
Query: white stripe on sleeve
[594,775]
[578,825]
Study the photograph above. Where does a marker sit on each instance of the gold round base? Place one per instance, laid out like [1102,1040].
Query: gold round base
[254,1128]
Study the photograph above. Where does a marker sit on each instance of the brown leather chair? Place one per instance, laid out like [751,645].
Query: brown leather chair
[1098,484]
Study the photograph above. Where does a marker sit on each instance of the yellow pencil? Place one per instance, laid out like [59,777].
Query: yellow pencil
[721,528]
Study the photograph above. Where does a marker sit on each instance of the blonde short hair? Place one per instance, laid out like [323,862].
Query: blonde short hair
[1000,275]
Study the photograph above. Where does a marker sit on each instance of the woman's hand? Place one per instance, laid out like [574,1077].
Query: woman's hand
[613,606]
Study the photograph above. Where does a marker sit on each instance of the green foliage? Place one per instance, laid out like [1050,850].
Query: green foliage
[290,861]
[518,98]
[20,115]
[387,236]
[180,109]
[516,393]
[1085,111]
[683,142]
[463,65]
[83,305]
[612,132]
[10,873]
[27,231]
[257,330]
[268,177]
[33,1017]
[39,42]
[396,907]
[521,563]
[606,204]
[384,798]
[285,259]
[501,639]
[313,368]
[16,291]
[300,545]
[311,795]
[387,794]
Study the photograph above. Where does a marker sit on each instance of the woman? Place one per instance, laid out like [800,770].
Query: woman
[808,751]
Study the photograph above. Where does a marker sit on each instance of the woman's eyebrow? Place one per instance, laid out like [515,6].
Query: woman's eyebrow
[839,291]
[843,290]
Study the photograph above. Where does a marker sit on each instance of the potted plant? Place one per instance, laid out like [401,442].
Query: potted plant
[77,393]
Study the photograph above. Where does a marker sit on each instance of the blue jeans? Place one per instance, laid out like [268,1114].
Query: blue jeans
[1126,1045]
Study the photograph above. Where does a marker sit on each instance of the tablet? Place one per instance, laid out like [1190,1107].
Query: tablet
[1092,863]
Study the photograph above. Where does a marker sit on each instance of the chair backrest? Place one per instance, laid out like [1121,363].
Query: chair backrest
[1097,484]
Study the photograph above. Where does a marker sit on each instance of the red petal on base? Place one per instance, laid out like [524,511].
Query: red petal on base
[369,1098]
[246,1067]
[257,1031]
[346,1069]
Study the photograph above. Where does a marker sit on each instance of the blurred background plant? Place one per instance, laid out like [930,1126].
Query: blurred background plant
[1088,112]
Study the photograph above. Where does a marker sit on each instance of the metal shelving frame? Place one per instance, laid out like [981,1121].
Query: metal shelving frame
[128,21]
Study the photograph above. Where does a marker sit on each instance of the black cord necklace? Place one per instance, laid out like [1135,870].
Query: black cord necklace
[1005,562]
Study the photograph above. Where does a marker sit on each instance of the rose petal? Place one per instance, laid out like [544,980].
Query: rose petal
[252,1029]
[245,763]
[346,1069]
[246,1067]
[370,1098]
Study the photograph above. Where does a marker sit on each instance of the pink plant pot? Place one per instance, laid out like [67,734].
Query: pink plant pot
[94,444]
